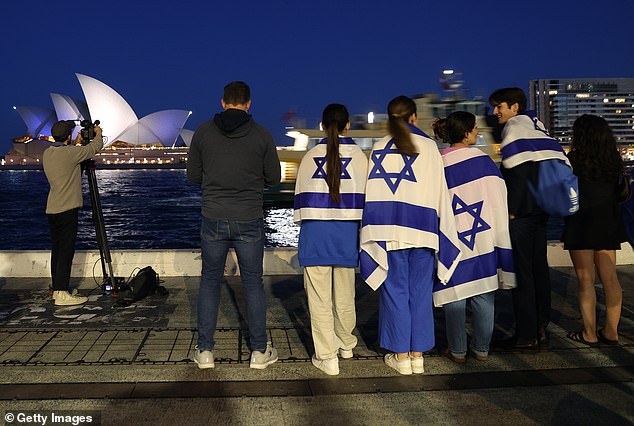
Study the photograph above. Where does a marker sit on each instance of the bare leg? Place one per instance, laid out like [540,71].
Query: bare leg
[605,260]
[584,267]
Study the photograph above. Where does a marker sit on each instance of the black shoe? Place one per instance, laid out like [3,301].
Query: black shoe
[542,336]
[523,343]
[517,343]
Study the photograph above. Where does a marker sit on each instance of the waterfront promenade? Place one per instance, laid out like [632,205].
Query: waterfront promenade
[133,364]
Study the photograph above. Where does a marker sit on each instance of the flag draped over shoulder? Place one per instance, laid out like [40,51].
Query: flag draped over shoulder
[312,199]
[525,138]
[407,206]
[478,199]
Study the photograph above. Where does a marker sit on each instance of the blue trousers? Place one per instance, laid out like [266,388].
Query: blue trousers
[406,317]
[247,238]
[483,309]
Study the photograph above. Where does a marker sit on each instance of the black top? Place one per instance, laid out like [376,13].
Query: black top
[520,200]
[598,225]
[233,158]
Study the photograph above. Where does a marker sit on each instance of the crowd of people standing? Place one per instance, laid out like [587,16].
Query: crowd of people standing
[426,227]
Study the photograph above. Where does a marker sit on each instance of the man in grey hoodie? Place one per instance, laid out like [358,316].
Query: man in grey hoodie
[233,158]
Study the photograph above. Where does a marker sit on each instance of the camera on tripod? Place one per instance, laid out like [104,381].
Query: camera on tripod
[87,131]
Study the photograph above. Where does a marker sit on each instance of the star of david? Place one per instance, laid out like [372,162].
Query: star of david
[479,225]
[321,172]
[392,178]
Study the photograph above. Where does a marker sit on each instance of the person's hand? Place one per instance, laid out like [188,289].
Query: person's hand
[78,139]
[98,131]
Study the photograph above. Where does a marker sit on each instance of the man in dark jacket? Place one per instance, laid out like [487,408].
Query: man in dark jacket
[527,226]
[233,158]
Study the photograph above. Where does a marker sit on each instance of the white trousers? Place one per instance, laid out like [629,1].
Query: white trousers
[330,291]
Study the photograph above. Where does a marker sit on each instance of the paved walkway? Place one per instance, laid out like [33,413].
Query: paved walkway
[119,363]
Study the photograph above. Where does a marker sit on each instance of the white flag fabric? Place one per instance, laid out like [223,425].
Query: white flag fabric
[312,199]
[478,199]
[525,138]
[407,205]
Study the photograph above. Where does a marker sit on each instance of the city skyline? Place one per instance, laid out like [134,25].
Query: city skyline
[298,58]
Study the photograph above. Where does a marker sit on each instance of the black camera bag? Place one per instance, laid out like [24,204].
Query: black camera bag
[145,283]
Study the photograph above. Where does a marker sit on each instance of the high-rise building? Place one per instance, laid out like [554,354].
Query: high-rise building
[558,103]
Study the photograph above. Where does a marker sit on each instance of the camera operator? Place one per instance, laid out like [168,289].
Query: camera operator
[62,166]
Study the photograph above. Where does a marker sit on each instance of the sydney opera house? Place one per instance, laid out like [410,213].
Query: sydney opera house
[156,139]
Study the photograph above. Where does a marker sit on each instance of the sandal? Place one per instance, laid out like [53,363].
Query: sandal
[577,336]
[605,340]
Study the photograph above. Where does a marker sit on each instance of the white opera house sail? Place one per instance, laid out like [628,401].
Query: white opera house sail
[120,124]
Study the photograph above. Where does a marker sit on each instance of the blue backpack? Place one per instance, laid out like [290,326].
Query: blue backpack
[557,188]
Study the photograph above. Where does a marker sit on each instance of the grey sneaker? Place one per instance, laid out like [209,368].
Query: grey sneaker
[204,359]
[64,298]
[403,365]
[346,353]
[261,360]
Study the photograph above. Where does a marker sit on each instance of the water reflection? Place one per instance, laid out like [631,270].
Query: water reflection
[281,231]
[142,209]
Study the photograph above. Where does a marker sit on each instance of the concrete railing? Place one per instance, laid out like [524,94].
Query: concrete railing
[169,263]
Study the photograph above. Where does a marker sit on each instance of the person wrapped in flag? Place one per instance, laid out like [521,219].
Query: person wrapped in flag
[478,198]
[408,235]
[329,198]
[525,145]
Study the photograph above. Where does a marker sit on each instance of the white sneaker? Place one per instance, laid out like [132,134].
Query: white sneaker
[418,364]
[64,298]
[261,360]
[345,353]
[328,366]
[204,359]
[403,365]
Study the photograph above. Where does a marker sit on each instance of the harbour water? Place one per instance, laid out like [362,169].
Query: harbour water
[143,209]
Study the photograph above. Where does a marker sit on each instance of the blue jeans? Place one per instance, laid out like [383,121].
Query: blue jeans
[247,238]
[482,308]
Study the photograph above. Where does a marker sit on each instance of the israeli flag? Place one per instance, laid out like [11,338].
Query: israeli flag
[407,206]
[478,200]
[312,198]
[525,138]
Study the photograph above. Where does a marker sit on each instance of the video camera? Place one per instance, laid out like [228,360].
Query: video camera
[87,131]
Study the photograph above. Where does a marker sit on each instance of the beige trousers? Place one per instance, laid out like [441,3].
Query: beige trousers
[330,292]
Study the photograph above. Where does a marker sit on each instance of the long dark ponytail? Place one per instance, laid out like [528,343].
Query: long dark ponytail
[399,110]
[334,120]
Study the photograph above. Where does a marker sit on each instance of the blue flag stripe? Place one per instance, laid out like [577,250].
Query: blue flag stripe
[321,200]
[342,141]
[480,267]
[530,145]
[470,170]
[400,214]
[447,252]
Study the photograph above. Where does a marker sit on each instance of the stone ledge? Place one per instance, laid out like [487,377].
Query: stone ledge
[186,263]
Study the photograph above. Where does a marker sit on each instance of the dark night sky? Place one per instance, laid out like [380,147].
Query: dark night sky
[298,55]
